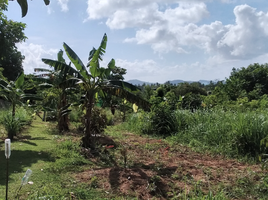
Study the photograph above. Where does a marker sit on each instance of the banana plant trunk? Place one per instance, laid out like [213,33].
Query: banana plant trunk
[87,140]
[63,121]
[13,109]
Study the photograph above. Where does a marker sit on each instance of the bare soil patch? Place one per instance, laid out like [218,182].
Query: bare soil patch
[155,170]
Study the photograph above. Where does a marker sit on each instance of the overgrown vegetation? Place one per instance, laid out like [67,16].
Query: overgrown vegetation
[186,134]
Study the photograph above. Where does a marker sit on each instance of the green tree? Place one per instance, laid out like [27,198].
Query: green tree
[93,81]
[185,88]
[250,82]
[11,33]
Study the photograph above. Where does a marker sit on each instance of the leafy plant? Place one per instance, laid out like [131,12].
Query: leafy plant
[94,83]
[12,125]
[162,120]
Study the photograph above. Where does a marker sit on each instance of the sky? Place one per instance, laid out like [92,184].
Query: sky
[155,40]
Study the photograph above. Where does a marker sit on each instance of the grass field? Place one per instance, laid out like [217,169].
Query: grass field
[135,167]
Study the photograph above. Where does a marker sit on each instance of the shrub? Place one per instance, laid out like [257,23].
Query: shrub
[12,125]
[163,120]
[160,121]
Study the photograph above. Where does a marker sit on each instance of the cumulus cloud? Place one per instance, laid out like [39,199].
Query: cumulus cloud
[246,38]
[176,26]
[64,5]
[33,56]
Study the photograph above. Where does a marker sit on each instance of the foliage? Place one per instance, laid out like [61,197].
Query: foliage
[61,86]
[191,101]
[162,120]
[12,91]
[233,133]
[94,83]
[250,82]
[185,88]
[99,121]
[24,6]
[117,73]
[12,124]
[11,33]
[77,114]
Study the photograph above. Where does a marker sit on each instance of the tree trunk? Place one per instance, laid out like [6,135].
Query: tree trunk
[87,139]
[63,121]
[44,116]
[13,109]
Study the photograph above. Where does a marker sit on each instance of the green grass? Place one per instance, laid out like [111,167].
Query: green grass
[231,133]
[50,157]
[55,158]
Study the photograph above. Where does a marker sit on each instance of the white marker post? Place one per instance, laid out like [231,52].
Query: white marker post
[7,154]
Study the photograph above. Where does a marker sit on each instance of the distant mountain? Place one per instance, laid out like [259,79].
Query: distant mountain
[205,82]
[175,82]
[138,82]
[179,81]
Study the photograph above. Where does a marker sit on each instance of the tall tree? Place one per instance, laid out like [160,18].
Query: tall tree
[10,33]
[251,82]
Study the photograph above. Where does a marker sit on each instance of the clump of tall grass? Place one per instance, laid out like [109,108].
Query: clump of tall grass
[227,132]
[231,133]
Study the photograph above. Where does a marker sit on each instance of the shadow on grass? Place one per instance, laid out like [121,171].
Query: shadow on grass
[22,138]
[19,160]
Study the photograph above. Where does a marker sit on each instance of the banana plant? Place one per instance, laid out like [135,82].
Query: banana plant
[93,81]
[12,91]
[58,79]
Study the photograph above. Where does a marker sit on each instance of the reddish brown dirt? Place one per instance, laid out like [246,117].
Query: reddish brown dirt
[156,170]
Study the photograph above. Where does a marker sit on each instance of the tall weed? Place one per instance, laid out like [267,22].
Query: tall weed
[232,133]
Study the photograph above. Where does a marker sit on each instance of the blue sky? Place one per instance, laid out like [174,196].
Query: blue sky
[155,41]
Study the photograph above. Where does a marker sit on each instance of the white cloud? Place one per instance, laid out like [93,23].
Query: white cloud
[141,14]
[33,56]
[175,26]
[64,5]
[246,39]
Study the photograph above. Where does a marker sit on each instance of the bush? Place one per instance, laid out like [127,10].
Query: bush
[160,121]
[163,121]
[12,125]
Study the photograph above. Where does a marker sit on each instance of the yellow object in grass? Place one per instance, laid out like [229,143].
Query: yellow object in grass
[135,108]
